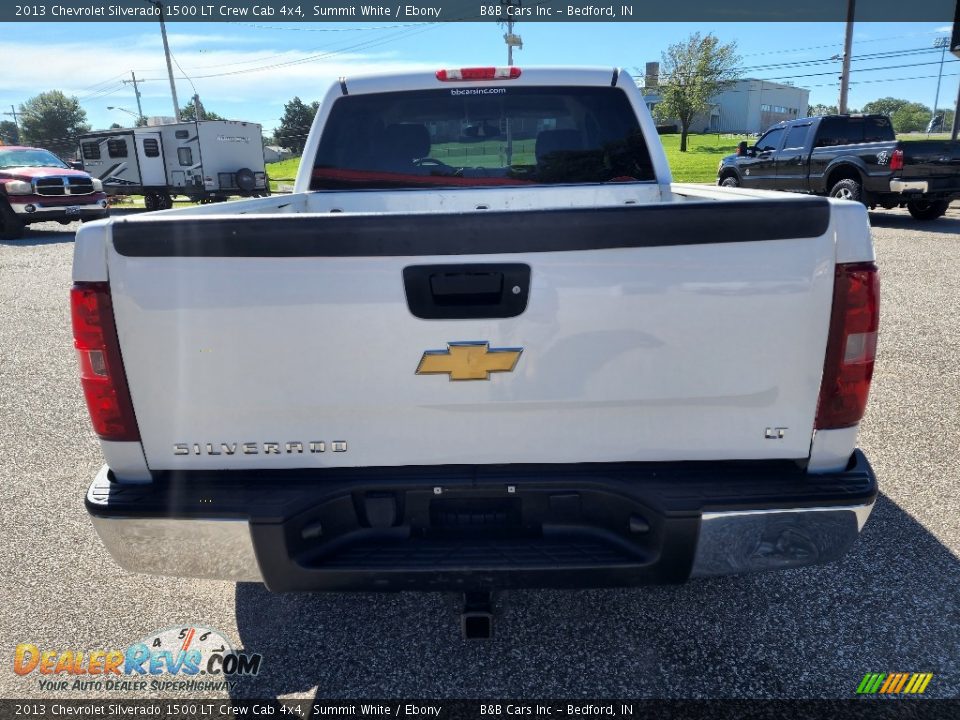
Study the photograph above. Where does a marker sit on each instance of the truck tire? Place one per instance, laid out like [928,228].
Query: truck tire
[847,190]
[165,202]
[927,209]
[11,227]
[151,202]
[730,181]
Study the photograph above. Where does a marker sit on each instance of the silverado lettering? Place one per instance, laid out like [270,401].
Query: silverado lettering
[253,448]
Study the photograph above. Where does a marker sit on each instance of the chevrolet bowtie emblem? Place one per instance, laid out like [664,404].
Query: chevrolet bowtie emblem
[468,361]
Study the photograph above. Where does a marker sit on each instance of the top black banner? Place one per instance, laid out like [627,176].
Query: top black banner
[360,11]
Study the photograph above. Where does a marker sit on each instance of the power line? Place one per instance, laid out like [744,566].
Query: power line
[337,29]
[839,43]
[313,58]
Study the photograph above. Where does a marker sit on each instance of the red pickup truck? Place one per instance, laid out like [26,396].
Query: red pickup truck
[36,186]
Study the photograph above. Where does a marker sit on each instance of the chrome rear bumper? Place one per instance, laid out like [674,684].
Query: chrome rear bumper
[902,186]
[453,528]
[753,540]
[220,549]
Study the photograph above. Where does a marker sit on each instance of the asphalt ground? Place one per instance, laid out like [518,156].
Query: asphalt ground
[891,605]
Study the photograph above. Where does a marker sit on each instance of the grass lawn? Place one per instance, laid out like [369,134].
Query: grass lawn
[698,164]
[283,172]
[483,154]
[922,136]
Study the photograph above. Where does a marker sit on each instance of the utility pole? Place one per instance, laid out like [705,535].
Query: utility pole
[955,50]
[509,38]
[13,111]
[166,50]
[512,41]
[198,113]
[136,91]
[956,118]
[847,51]
[943,43]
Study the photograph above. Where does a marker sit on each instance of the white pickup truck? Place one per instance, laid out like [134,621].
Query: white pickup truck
[485,343]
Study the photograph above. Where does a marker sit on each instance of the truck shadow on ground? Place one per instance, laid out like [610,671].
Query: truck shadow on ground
[889,605]
[948,225]
[35,238]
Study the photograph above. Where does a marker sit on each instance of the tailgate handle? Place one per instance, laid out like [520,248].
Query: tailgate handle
[467,291]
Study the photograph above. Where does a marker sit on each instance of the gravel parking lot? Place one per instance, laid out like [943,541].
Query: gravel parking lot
[893,604]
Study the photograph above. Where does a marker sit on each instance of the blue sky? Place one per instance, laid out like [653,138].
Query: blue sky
[247,71]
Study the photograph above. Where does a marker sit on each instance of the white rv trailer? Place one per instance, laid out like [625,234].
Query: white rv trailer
[207,161]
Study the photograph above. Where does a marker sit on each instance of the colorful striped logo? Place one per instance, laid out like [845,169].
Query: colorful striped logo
[894,683]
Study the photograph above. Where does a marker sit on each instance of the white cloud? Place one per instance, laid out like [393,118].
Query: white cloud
[97,71]
[181,41]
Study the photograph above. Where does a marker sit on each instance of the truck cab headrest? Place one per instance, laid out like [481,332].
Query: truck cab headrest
[405,142]
[550,141]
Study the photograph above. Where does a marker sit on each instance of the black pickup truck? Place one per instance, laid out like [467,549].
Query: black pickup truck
[855,157]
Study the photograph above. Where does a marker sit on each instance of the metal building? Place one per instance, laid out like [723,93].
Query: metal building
[747,106]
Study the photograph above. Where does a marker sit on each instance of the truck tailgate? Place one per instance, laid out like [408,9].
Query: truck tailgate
[678,331]
[931,159]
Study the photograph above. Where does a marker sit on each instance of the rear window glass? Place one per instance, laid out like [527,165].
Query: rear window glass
[848,131]
[455,137]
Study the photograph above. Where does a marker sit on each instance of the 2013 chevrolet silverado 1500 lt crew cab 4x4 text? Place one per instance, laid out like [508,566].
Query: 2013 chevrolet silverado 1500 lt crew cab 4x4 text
[851,157]
[484,344]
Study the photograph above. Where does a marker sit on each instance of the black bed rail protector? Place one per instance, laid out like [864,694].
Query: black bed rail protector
[474,233]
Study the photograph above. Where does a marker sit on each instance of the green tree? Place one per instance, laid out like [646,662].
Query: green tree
[821,109]
[53,120]
[884,106]
[188,113]
[9,134]
[295,124]
[911,117]
[694,71]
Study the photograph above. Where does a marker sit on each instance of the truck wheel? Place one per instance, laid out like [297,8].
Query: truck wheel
[151,201]
[165,202]
[730,182]
[927,209]
[847,190]
[11,227]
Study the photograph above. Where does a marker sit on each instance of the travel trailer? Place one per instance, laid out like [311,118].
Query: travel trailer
[207,161]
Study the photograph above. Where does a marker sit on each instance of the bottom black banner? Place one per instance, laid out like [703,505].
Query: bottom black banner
[485,709]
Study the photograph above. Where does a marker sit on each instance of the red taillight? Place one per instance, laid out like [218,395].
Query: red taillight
[851,347]
[896,160]
[101,369]
[484,73]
